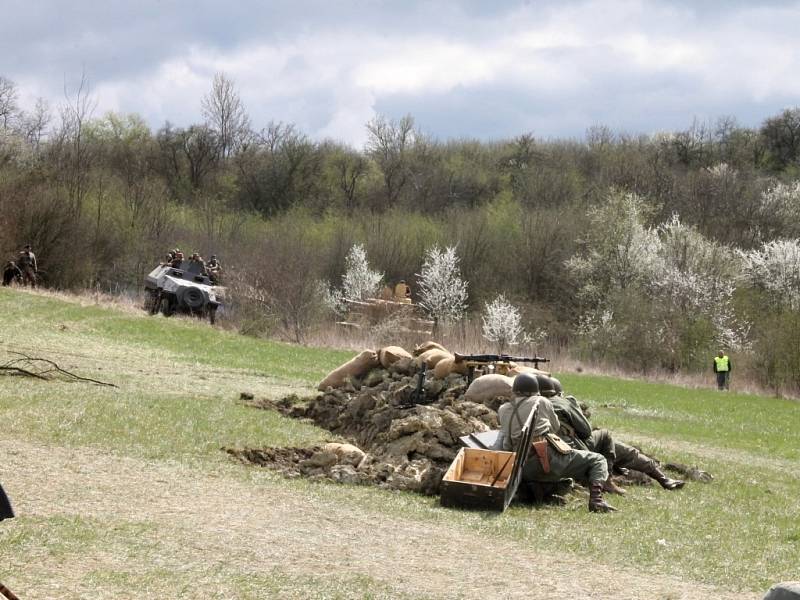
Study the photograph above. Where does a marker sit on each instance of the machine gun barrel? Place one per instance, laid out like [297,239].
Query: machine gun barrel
[492,358]
[474,360]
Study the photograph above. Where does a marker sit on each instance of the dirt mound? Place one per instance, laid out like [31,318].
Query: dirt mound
[409,440]
[402,438]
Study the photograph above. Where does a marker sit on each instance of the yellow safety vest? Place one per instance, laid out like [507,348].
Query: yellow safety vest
[722,363]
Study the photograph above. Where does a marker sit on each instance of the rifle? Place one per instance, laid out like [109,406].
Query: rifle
[503,361]
[418,395]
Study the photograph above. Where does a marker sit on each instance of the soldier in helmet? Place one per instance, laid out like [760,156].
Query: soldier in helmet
[197,264]
[177,258]
[553,459]
[26,261]
[578,433]
[214,268]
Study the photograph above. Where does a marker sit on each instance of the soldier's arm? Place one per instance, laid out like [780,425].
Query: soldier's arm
[578,421]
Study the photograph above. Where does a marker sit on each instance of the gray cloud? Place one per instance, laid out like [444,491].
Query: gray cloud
[463,69]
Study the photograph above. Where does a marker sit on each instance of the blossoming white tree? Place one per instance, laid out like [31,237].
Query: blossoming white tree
[659,295]
[442,291]
[775,267]
[502,323]
[358,282]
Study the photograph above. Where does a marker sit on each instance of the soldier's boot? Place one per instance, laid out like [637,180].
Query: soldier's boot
[608,485]
[666,482]
[596,502]
[612,488]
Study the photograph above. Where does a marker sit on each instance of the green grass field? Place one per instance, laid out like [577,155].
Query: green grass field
[177,405]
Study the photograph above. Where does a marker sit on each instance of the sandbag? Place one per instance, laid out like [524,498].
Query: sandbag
[489,386]
[519,369]
[432,357]
[355,367]
[391,354]
[425,346]
[346,453]
[447,366]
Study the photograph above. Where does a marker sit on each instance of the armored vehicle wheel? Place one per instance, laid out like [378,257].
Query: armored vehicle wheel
[166,307]
[193,298]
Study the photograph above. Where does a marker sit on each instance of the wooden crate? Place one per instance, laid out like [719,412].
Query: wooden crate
[486,479]
[478,479]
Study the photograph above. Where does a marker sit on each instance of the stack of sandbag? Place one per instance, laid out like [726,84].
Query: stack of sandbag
[358,366]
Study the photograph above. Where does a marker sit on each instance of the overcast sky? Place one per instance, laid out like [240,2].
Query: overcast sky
[461,68]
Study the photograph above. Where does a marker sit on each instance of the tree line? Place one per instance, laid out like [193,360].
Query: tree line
[648,251]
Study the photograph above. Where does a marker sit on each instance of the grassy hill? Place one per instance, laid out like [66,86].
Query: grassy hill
[123,492]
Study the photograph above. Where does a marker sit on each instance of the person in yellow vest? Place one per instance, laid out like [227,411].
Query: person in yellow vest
[722,367]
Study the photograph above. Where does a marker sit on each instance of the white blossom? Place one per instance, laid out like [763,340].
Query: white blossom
[775,268]
[442,292]
[359,281]
[502,323]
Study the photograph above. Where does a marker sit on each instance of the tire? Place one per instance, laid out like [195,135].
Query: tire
[166,306]
[192,298]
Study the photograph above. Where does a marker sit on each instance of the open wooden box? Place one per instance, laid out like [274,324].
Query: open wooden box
[485,479]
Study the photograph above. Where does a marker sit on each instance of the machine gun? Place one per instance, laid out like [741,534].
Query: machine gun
[502,362]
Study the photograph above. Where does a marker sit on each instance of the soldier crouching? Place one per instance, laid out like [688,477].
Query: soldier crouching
[551,459]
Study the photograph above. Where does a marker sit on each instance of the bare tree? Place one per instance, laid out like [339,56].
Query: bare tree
[225,113]
[8,102]
[34,125]
[388,145]
[350,167]
[71,144]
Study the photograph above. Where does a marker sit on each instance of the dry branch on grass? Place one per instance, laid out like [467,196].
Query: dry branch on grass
[43,368]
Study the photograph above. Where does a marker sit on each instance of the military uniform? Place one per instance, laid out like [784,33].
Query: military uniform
[560,462]
[577,432]
[27,264]
[11,273]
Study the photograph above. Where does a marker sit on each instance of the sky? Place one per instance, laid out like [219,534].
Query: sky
[462,69]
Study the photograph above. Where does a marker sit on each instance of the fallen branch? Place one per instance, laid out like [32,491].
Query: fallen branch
[40,373]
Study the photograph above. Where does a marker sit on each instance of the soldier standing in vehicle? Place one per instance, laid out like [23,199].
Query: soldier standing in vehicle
[723,368]
[177,259]
[27,264]
[197,264]
[214,268]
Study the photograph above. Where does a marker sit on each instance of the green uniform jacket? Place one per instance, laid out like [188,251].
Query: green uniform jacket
[574,425]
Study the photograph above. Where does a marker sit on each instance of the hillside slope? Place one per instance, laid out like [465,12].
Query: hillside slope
[124,493]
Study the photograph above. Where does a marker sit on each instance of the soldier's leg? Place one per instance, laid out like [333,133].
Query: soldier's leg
[588,467]
[602,442]
[630,458]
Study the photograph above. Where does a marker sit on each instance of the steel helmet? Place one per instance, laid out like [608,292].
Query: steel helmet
[525,384]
